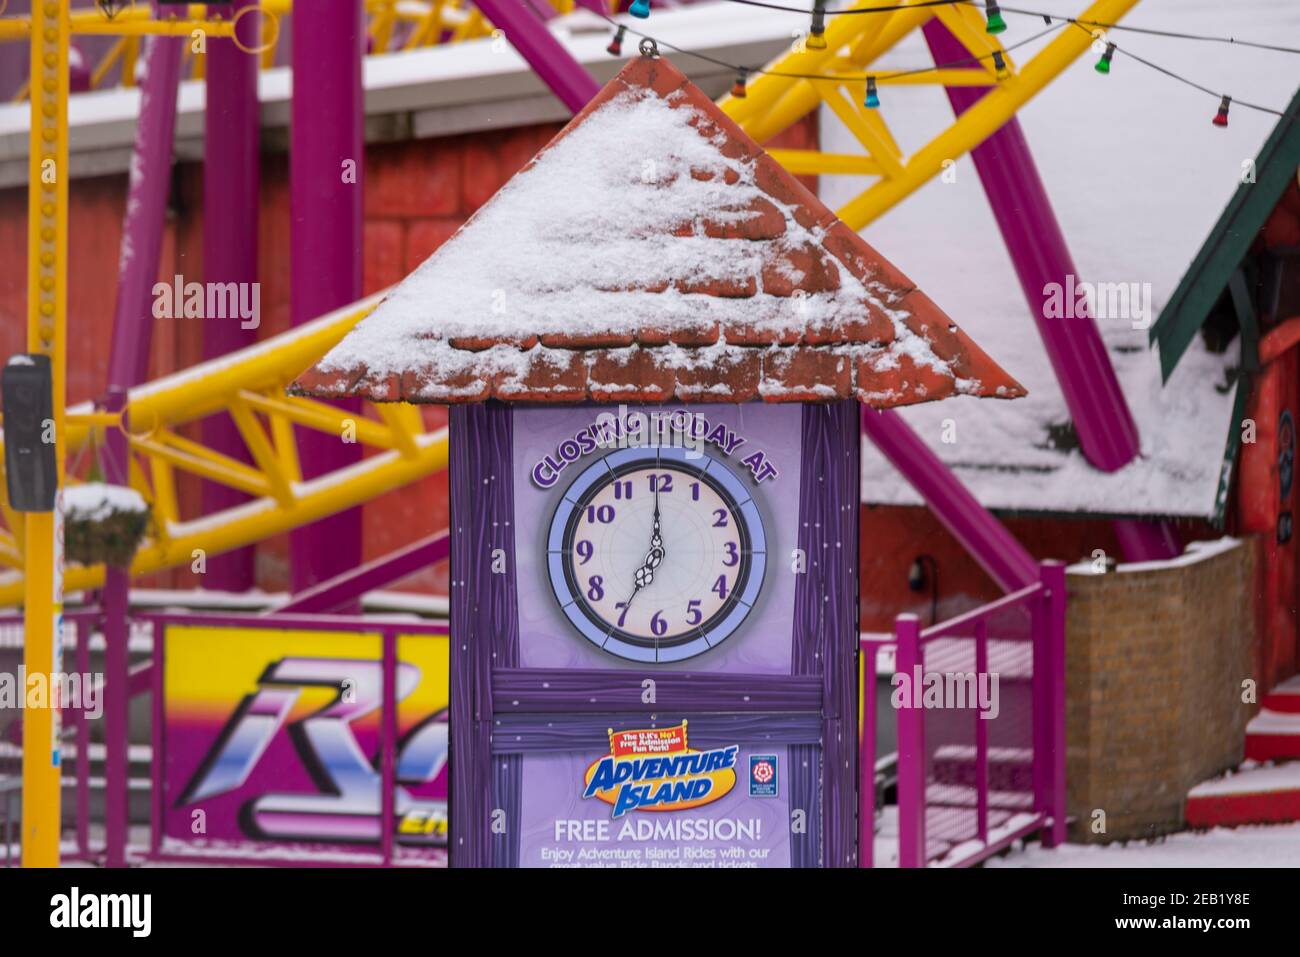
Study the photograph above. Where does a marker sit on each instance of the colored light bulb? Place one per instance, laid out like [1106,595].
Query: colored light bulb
[817,35]
[738,88]
[1221,118]
[872,101]
[995,22]
[640,8]
[1000,65]
[1103,65]
[616,45]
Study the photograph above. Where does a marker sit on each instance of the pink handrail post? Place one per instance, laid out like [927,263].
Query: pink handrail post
[867,652]
[82,767]
[981,736]
[1049,654]
[117,702]
[388,745]
[911,747]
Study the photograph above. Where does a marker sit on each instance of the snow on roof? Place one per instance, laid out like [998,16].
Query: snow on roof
[1138,177]
[653,251]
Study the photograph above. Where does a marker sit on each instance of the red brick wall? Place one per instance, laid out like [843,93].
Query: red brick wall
[1155,665]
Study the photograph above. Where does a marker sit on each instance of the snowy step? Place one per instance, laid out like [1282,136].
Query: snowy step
[1273,735]
[1285,697]
[1267,794]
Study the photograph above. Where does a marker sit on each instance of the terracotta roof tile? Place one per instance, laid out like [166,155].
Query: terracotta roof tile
[653,252]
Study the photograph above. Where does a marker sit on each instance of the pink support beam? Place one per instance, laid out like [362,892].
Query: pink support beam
[231,181]
[326,160]
[911,749]
[983,536]
[128,365]
[527,33]
[146,208]
[346,589]
[1020,204]
[1108,434]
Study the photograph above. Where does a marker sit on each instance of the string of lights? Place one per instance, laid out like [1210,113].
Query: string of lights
[1220,118]
[995,25]
[996,57]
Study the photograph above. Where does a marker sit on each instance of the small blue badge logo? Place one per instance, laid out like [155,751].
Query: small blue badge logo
[762,775]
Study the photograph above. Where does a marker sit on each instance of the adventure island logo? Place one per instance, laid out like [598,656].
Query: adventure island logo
[654,770]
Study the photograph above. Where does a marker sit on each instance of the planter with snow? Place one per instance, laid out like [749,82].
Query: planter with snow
[103,523]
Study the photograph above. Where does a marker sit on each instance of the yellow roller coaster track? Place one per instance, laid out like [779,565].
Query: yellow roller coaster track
[249,385]
[393,25]
[853,43]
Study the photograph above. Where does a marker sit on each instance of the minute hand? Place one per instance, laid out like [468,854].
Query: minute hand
[654,558]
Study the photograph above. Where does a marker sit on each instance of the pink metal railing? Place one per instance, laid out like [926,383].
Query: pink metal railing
[969,785]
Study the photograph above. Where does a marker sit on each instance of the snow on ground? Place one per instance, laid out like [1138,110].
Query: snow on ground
[1138,177]
[1273,846]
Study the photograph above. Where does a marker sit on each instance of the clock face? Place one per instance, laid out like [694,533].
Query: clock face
[656,554]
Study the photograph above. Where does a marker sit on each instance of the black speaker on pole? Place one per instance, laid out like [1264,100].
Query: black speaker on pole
[31,466]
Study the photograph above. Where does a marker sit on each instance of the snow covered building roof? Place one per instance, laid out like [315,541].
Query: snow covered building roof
[1138,177]
[652,251]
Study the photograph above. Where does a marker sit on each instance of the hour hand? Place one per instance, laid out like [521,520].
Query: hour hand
[644,575]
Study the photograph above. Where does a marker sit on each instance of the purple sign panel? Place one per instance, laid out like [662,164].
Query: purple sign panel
[657,536]
[657,541]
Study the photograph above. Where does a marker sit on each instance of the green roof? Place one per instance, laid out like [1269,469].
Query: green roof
[1229,241]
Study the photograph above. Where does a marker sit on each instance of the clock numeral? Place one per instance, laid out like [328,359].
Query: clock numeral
[623,617]
[657,624]
[595,588]
[661,483]
[720,587]
[623,489]
[720,518]
[585,550]
[733,555]
[604,514]
[693,614]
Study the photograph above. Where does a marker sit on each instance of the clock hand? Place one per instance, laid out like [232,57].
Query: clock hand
[646,573]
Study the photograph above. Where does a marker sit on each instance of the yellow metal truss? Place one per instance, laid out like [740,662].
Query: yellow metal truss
[424,22]
[249,386]
[854,42]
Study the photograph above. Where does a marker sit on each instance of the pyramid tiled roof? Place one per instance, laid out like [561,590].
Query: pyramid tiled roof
[652,252]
